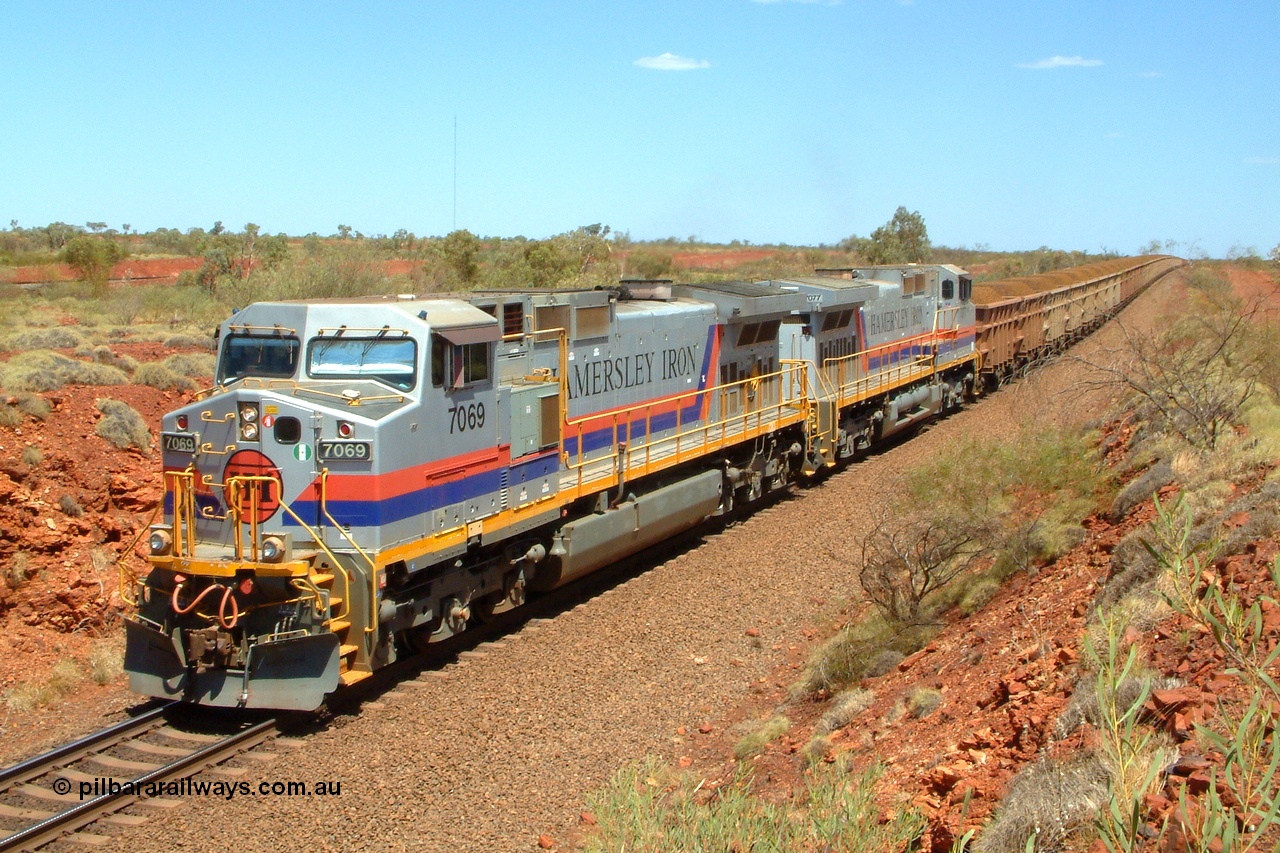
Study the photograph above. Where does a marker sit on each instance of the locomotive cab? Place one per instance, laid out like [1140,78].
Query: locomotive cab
[264,588]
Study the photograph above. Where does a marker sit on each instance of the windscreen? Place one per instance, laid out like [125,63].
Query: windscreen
[271,357]
[393,361]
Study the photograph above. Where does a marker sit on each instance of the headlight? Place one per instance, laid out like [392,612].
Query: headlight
[161,542]
[248,412]
[249,431]
[272,549]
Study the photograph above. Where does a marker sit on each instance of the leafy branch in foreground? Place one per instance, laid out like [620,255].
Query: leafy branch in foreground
[1244,733]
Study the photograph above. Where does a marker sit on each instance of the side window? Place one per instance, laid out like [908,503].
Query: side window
[948,289]
[455,365]
[439,352]
[475,363]
[966,289]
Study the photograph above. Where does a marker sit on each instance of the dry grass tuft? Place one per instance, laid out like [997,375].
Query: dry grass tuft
[106,661]
[19,570]
[760,737]
[158,376]
[923,701]
[54,338]
[122,425]
[978,595]
[42,370]
[70,506]
[844,708]
[1048,801]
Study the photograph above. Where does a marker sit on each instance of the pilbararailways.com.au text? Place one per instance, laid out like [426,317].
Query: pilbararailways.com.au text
[194,787]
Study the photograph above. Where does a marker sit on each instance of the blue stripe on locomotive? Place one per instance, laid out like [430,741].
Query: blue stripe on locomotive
[374,513]
[917,350]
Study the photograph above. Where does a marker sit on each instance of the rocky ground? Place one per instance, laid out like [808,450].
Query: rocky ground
[497,751]
[71,503]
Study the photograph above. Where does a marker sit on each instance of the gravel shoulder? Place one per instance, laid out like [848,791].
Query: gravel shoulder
[493,751]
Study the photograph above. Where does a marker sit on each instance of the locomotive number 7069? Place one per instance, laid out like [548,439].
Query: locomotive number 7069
[466,416]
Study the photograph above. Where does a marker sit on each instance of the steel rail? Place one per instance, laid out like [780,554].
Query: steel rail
[53,759]
[89,811]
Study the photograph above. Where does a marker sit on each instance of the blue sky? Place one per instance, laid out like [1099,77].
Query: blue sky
[1010,123]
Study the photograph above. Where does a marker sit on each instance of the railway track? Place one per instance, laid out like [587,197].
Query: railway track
[92,780]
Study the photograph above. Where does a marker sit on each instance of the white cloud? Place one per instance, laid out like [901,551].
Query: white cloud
[1062,62]
[671,62]
[1263,161]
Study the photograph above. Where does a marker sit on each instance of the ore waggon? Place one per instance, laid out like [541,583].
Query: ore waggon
[1021,320]
[370,475]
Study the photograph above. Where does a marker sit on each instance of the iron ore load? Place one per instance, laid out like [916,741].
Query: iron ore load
[370,475]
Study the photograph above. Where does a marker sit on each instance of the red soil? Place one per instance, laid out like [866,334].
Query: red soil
[130,269]
[719,260]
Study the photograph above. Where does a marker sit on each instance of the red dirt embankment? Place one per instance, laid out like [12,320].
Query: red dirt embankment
[719,260]
[130,269]
[154,270]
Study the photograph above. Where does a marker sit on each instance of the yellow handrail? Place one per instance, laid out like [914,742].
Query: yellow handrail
[776,407]
[373,569]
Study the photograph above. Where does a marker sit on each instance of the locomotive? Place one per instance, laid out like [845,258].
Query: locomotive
[371,475]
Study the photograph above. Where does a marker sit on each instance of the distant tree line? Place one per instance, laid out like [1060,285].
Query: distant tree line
[349,262]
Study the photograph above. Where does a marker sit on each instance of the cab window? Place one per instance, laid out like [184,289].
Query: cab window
[271,357]
[389,360]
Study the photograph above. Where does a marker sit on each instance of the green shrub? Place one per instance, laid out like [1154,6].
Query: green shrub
[32,455]
[122,426]
[124,307]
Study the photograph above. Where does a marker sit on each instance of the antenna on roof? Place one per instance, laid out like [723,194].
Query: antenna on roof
[455,173]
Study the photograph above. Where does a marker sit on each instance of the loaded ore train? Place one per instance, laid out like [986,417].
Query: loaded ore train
[369,475]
